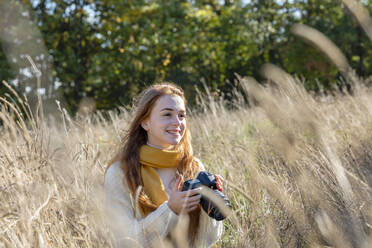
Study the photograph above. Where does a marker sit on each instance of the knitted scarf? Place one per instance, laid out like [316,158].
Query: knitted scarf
[151,158]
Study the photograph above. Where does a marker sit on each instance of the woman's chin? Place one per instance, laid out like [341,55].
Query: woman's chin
[174,142]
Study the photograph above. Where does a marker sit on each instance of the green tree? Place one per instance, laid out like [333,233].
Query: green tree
[336,23]
[20,39]
[109,50]
[70,35]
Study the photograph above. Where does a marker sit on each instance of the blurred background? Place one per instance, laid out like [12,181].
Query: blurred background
[281,106]
[106,51]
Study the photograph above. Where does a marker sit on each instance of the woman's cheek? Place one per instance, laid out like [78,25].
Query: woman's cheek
[184,128]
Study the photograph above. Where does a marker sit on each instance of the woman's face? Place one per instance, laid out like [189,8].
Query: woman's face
[167,123]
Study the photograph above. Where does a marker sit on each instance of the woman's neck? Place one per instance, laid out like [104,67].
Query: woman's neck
[159,147]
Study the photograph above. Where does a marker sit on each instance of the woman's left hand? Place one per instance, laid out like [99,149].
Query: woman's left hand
[219,182]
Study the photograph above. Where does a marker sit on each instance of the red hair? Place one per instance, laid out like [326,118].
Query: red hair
[136,136]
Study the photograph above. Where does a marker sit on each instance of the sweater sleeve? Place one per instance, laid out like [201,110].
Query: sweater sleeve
[129,231]
[210,230]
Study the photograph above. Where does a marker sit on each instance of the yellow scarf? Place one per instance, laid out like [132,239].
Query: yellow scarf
[151,158]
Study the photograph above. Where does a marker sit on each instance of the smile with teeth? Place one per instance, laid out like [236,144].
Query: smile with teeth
[174,132]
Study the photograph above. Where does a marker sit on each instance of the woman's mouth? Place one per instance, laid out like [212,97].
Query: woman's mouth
[174,132]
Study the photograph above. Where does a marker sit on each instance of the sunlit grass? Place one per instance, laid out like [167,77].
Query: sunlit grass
[298,169]
[298,166]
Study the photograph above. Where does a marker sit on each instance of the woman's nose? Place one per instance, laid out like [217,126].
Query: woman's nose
[176,120]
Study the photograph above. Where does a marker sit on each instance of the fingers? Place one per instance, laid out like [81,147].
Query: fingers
[192,192]
[220,178]
[190,203]
[190,196]
[219,182]
[190,209]
[194,199]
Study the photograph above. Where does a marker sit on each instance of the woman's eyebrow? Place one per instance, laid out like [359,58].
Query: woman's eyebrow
[170,109]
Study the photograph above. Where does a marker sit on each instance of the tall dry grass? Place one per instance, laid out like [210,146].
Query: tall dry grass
[298,168]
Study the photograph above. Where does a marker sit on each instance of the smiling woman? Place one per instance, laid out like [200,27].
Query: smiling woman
[166,124]
[143,200]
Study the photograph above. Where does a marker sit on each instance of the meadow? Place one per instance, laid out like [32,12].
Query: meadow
[297,167]
[297,164]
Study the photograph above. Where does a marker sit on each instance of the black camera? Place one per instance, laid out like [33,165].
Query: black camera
[207,179]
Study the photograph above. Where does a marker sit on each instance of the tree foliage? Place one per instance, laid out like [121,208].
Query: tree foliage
[109,50]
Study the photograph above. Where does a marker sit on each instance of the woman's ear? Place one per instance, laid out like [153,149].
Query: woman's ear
[145,125]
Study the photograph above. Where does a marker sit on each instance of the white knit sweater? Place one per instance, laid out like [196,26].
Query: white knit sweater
[131,231]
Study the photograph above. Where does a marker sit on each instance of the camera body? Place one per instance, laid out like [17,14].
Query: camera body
[208,180]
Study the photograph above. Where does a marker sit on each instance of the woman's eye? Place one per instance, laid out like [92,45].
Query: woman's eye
[170,114]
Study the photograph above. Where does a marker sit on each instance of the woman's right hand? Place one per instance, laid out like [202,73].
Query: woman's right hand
[183,201]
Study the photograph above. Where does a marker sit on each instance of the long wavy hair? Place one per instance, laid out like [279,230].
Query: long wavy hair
[136,136]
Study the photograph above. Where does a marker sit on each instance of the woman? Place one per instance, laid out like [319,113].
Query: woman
[143,200]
